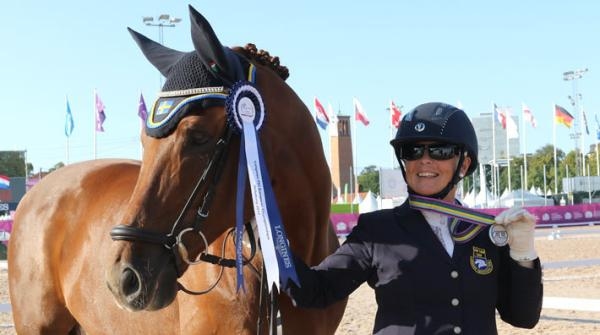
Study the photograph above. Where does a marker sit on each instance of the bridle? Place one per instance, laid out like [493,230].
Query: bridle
[173,241]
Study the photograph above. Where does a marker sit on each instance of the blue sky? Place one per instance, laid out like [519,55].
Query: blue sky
[470,52]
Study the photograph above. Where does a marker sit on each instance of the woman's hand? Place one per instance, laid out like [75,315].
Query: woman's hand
[520,225]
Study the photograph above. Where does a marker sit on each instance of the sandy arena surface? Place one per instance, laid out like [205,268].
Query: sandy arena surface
[574,281]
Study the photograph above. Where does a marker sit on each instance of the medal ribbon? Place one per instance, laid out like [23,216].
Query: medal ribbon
[477,220]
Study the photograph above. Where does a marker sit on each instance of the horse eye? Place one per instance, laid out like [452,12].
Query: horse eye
[199,139]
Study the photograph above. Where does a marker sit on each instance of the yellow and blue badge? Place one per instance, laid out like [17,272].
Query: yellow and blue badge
[480,263]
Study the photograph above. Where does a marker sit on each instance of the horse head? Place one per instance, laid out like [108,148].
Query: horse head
[184,198]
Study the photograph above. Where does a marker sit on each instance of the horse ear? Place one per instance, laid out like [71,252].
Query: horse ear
[161,57]
[208,47]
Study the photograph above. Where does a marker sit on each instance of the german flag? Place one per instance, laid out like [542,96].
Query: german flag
[562,116]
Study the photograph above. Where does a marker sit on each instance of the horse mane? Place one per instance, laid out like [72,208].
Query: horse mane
[264,58]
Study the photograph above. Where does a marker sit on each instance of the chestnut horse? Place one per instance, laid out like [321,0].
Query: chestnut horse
[176,207]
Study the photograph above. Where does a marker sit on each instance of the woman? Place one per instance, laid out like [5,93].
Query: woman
[432,273]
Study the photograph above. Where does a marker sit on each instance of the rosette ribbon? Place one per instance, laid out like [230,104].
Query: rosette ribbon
[246,112]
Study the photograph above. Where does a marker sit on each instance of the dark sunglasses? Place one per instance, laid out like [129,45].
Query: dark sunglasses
[437,151]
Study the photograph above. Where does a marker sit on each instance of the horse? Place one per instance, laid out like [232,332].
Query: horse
[118,246]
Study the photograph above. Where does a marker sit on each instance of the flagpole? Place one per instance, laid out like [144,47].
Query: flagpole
[554,141]
[67,148]
[545,187]
[524,146]
[597,138]
[94,121]
[332,129]
[355,157]
[507,113]
[67,152]
[494,179]
[391,132]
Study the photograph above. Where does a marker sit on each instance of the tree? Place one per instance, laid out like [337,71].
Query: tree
[12,164]
[56,166]
[368,180]
[540,165]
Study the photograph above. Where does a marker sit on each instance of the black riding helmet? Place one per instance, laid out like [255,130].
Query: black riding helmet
[440,122]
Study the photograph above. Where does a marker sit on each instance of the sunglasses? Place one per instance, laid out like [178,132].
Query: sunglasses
[436,151]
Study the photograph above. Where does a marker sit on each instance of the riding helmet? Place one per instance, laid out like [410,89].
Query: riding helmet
[435,121]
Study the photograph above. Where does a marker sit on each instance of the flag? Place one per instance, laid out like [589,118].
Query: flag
[4,182]
[333,117]
[587,130]
[396,114]
[511,126]
[500,116]
[562,116]
[359,112]
[69,125]
[100,116]
[142,111]
[320,115]
[528,116]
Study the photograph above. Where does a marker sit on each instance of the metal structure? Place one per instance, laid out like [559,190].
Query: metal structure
[579,128]
[162,21]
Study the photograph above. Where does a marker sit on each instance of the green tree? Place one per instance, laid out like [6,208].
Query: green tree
[516,163]
[542,160]
[12,164]
[56,166]
[368,180]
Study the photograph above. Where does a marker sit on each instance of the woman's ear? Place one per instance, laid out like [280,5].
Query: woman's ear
[465,166]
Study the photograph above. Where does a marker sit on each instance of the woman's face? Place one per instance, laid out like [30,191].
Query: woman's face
[428,176]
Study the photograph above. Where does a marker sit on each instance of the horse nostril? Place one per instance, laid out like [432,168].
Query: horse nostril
[130,283]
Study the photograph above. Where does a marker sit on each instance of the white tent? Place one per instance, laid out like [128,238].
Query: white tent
[484,199]
[368,204]
[469,199]
[522,198]
[357,199]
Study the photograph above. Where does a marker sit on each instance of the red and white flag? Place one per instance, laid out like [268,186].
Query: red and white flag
[528,116]
[500,116]
[320,115]
[396,114]
[359,112]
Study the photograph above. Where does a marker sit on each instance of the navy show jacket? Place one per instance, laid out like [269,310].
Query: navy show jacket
[419,288]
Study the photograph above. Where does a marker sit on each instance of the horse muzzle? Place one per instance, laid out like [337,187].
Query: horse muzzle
[143,287]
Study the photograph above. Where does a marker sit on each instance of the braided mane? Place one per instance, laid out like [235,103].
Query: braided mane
[264,58]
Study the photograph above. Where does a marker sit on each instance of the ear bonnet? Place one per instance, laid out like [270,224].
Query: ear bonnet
[203,76]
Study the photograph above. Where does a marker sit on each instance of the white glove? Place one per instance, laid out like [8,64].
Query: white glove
[520,226]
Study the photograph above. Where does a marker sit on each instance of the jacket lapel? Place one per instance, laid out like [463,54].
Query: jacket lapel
[415,224]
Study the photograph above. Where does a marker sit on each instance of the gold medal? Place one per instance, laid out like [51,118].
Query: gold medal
[498,235]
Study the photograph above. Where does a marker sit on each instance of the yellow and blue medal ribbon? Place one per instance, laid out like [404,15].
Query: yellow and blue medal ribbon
[478,220]
[246,111]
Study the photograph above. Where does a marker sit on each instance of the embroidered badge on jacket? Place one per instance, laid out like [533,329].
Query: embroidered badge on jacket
[479,263]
